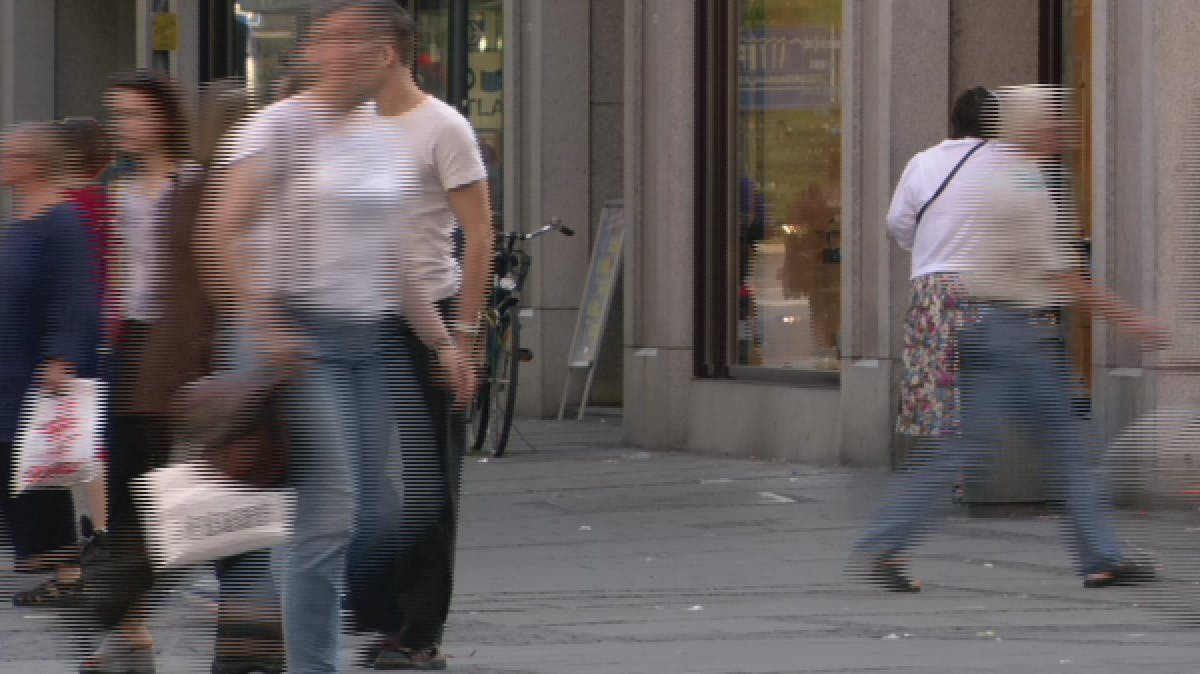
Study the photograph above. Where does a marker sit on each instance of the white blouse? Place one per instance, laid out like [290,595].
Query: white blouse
[934,244]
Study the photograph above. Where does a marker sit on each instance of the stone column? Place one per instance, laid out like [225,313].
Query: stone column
[547,126]
[660,195]
[896,97]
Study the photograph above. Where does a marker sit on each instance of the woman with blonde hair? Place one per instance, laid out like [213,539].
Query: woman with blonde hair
[49,330]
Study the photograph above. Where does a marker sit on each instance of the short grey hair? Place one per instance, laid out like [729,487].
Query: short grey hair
[1026,109]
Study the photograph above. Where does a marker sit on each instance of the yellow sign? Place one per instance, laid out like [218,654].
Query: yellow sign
[166,32]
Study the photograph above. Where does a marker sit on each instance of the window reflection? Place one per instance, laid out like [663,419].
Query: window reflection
[789,147]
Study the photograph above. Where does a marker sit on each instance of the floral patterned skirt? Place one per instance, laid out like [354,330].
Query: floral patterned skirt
[929,397]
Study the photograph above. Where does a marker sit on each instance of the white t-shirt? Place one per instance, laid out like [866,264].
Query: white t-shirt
[933,243]
[437,150]
[328,232]
[1015,237]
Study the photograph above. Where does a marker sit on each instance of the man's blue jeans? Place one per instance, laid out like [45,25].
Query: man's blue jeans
[338,412]
[1012,368]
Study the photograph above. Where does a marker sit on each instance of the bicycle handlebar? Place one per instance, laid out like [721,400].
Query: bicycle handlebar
[556,225]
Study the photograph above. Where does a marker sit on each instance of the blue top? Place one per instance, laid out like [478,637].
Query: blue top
[49,304]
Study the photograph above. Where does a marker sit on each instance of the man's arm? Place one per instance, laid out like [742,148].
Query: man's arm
[1104,303]
[473,210]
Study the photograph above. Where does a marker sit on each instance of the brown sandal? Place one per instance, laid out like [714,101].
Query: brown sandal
[53,592]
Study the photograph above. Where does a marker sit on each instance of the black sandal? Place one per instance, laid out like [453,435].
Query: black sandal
[1122,573]
[891,575]
[53,592]
[248,648]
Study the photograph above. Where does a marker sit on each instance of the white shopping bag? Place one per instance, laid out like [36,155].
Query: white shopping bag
[58,437]
[194,514]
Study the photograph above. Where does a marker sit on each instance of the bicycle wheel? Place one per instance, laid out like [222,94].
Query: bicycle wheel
[503,382]
[478,412]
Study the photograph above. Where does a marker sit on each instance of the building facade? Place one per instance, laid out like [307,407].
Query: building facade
[754,145]
[786,342]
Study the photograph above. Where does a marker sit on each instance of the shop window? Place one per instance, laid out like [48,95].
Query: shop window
[433,52]
[485,91]
[787,215]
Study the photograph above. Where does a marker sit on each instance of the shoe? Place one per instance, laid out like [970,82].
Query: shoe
[52,592]
[118,656]
[227,664]
[248,648]
[886,572]
[393,657]
[1121,573]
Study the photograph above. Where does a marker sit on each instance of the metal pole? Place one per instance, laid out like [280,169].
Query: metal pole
[562,403]
[456,87]
[587,391]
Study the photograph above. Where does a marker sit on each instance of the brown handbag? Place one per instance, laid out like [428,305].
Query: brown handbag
[231,420]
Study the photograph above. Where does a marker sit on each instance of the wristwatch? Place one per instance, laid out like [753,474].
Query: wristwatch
[461,328]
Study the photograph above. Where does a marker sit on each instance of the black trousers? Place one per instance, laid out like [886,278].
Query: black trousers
[137,443]
[38,521]
[409,599]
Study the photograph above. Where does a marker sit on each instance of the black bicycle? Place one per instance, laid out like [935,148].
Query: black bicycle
[490,416]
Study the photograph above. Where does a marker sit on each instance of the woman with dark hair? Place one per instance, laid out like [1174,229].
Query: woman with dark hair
[927,211]
[149,127]
[49,330]
[1017,266]
[160,351]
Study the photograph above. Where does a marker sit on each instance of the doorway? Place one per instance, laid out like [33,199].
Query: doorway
[1066,59]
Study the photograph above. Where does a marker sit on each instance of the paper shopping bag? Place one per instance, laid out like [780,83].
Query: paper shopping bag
[192,513]
[58,436]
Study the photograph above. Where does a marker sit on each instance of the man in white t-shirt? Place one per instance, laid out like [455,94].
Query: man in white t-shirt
[307,219]
[401,582]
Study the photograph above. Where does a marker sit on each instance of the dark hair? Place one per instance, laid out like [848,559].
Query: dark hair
[87,148]
[973,114]
[390,21]
[165,95]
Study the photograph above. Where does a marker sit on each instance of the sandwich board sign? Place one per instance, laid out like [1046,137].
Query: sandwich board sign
[596,301]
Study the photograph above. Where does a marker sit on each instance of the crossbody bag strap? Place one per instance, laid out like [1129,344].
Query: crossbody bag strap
[953,172]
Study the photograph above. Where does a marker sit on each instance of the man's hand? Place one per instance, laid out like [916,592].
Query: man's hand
[456,372]
[57,376]
[1153,334]
[471,344]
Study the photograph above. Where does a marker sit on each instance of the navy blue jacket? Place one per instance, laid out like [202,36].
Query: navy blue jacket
[49,304]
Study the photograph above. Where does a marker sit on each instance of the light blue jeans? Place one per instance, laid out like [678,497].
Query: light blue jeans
[1012,369]
[336,413]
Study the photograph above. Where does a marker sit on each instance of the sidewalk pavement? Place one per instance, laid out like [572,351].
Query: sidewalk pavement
[579,555]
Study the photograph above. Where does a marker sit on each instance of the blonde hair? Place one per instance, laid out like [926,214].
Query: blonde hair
[223,103]
[48,143]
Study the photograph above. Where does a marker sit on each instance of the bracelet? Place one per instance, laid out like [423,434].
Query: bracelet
[468,329]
